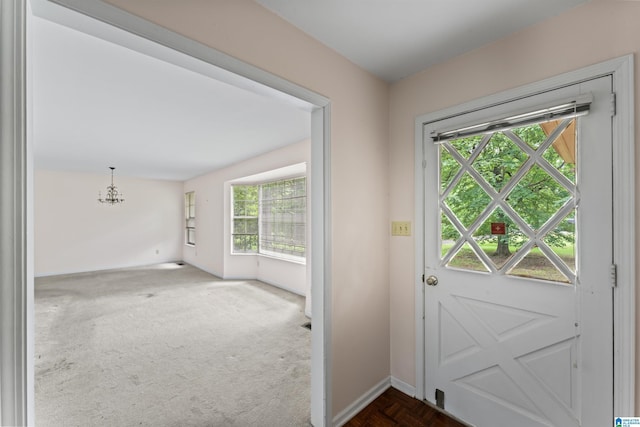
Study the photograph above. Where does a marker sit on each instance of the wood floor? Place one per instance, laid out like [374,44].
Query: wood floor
[394,408]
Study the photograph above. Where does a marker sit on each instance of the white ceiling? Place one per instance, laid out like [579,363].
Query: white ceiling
[97,104]
[397,38]
[154,113]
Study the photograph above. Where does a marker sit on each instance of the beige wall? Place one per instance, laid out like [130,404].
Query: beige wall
[589,34]
[74,233]
[373,148]
[359,167]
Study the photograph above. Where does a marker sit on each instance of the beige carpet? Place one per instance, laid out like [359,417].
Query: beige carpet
[169,345]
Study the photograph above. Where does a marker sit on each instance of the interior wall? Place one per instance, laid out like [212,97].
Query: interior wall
[359,168]
[74,233]
[212,249]
[589,34]
[291,276]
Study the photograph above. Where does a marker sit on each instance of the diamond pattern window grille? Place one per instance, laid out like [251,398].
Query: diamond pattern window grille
[522,179]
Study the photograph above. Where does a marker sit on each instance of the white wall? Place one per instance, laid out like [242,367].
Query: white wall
[212,250]
[74,233]
[291,276]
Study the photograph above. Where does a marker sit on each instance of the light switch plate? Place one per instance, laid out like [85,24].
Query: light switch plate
[401,228]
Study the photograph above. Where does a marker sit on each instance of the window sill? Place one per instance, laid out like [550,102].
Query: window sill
[277,258]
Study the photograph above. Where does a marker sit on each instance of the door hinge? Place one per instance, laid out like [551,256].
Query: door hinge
[613,104]
[424,164]
[613,273]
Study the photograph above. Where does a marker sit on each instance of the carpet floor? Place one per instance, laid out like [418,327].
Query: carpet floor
[169,345]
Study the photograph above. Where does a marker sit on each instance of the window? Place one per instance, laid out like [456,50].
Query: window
[245,219]
[283,213]
[270,218]
[190,217]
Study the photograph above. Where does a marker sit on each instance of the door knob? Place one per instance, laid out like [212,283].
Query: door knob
[432,280]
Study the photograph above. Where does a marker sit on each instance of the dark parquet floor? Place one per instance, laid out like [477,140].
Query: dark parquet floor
[394,408]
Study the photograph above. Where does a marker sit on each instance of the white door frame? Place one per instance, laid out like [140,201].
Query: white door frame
[14,352]
[16,225]
[623,215]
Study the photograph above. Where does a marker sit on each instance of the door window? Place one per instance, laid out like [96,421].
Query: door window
[508,201]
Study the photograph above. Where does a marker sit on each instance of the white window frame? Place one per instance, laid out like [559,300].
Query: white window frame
[235,217]
[261,224]
[16,221]
[260,234]
[190,218]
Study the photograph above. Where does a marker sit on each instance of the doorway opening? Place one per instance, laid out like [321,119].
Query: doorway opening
[319,108]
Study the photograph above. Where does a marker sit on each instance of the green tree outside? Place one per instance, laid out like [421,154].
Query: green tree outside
[536,197]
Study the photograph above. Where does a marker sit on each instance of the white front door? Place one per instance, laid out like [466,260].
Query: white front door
[518,255]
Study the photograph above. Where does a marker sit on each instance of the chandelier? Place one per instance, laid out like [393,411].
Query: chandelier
[113,197]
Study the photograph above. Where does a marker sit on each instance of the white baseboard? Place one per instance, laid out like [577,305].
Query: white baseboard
[286,288]
[361,403]
[371,395]
[266,282]
[101,269]
[400,385]
[205,269]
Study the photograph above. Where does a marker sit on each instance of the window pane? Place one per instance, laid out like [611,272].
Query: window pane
[277,211]
[535,265]
[238,208]
[190,215]
[243,243]
[245,218]
[191,236]
[467,200]
[190,204]
[245,226]
[506,209]
[283,217]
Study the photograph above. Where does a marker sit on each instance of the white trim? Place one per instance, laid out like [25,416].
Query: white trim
[400,385]
[292,259]
[419,259]
[114,267]
[624,238]
[258,79]
[205,269]
[624,215]
[15,365]
[283,287]
[359,404]
[266,282]
[321,367]
[296,170]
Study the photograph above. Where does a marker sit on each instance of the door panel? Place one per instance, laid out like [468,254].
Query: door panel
[518,233]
